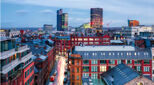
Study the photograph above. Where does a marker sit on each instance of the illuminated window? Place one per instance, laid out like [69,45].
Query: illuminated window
[109,53]
[121,53]
[140,83]
[85,39]
[102,68]
[90,39]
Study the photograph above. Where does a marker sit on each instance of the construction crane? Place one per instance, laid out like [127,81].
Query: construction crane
[108,23]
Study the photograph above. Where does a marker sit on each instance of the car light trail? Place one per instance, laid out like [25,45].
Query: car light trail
[60,70]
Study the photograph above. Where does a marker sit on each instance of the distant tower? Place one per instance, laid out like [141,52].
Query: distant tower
[62,20]
[132,23]
[96,18]
[59,19]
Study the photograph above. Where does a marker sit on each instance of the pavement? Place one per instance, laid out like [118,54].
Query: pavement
[52,72]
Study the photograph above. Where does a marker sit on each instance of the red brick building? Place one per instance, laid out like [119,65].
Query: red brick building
[64,43]
[99,59]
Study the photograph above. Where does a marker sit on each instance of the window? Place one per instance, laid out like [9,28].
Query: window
[85,61]
[111,67]
[73,77]
[85,75]
[137,61]
[146,62]
[138,68]
[129,61]
[94,76]
[72,62]
[25,74]
[94,68]
[78,62]
[93,61]
[119,61]
[31,68]
[7,60]
[111,61]
[135,53]
[102,68]
[85,68]
[102,61]
[73,70]
[77,70]
[109,53]
[77,77]
[146,69]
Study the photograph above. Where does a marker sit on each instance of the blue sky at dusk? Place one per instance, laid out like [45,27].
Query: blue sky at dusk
[35,13]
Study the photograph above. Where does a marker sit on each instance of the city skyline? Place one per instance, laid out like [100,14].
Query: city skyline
[27,13]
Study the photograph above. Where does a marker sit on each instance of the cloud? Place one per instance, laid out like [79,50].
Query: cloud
[47,11]
[131,7]
[21,11]
[122,9]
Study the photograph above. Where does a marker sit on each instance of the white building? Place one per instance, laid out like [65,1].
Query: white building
[140,29]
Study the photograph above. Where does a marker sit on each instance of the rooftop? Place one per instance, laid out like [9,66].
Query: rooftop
[105,48]
[119,75]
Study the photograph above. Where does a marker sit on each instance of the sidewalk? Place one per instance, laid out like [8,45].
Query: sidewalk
[52,72]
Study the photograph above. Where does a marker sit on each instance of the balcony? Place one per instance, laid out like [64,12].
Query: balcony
[11,52]
[13,64]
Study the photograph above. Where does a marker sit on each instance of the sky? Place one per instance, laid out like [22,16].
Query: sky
[35,13]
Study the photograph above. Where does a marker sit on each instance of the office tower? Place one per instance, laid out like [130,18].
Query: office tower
[62,20]
[59,19]
[96,18]
[132,23]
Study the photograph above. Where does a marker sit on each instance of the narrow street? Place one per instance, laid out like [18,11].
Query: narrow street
[60,68]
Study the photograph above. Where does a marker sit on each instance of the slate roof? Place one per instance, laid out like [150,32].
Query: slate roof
[119,75]
[105,48]
[112,52]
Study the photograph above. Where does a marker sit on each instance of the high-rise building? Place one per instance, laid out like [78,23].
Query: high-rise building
[62,20]
[96,18]
[59,19]
[132,23]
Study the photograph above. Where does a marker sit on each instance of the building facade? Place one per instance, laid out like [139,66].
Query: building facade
[132,23]
[17,67]
[99,59]
[76,67]
[65,43]
[62,20]
[96,18]
[48,28]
